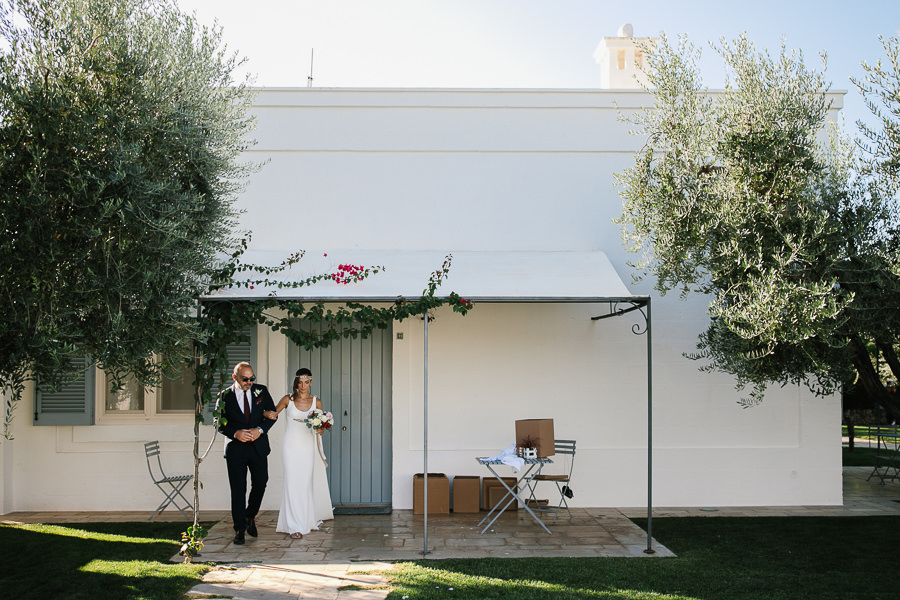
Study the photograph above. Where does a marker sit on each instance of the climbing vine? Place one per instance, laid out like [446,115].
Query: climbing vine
[223,322]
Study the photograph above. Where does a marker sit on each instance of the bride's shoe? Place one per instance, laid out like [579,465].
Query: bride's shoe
[297,535]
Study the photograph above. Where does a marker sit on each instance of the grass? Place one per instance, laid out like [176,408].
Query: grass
[719,558]
[862,431]
[97,561]
[862,456]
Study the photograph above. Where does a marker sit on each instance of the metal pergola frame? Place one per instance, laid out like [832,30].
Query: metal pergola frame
[617,307]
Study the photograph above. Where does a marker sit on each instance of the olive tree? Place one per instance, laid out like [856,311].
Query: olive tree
[744,195]
[120,133]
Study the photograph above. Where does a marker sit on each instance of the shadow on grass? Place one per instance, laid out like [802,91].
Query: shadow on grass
[94,560]
[719,558]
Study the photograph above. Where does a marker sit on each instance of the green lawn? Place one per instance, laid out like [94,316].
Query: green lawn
[861,431]
[719,558]
[102,561]
[862,456]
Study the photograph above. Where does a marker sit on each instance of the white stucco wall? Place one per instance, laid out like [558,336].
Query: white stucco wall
[456,170]
[502,363]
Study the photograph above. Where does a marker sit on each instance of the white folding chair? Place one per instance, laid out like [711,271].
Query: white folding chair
[171,486]
[563,481]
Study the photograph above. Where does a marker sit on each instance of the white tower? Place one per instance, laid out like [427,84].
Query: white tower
[622,60]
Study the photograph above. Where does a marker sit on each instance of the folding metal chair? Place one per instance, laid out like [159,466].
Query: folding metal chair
[562,481]
[170,486]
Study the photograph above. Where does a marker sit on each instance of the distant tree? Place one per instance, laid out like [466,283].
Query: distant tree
[738,195]
[120,132]
[880,88]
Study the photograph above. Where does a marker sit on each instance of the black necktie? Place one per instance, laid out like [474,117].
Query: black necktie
[246,407]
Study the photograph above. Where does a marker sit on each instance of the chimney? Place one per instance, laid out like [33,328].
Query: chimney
[622,60]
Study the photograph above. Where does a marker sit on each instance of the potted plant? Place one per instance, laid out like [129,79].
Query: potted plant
[528,446]
[192,542]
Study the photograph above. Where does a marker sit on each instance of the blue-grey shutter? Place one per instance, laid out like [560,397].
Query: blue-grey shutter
[239,352]
[71,404]
[242,352]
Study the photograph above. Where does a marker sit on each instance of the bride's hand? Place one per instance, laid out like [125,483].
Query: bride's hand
[270,414]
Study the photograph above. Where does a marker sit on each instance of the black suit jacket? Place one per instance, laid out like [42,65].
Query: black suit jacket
[233,411]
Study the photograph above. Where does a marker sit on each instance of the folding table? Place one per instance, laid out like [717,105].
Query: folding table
[531,469]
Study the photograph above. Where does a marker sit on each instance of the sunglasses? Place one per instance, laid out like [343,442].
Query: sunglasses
[246,379]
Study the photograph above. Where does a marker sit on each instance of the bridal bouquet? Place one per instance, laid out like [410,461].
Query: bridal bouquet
[319,419]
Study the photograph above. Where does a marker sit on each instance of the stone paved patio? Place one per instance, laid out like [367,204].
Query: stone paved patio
[400,536]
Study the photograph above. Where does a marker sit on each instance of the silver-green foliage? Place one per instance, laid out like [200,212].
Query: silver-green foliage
[120,134]
[744,196]
[880,87]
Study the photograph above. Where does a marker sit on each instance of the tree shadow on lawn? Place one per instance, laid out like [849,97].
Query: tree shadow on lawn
[718,558]
[94,560]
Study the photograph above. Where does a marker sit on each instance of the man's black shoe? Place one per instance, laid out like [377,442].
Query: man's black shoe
[238,537]
[251,527]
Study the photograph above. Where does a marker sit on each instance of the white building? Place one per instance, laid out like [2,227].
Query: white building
[518,185]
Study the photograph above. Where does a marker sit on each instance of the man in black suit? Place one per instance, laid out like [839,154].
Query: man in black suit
[247,447]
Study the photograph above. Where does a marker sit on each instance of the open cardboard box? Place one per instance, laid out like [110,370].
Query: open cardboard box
[491,497]
[540,430]
[438,494]
[466,493]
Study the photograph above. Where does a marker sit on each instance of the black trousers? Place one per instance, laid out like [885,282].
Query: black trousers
[238,464]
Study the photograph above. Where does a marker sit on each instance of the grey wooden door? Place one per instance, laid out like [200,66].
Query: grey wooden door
[353,379]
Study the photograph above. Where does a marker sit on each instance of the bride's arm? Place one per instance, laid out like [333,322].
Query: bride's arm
[273,414]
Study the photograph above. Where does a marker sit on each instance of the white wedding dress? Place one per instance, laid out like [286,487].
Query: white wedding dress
[306,501]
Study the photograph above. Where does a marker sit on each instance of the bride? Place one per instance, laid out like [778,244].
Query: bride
[306,501]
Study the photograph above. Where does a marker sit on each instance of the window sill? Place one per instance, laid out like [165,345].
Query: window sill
[144,418]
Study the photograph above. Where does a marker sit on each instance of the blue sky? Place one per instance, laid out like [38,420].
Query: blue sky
[524,43]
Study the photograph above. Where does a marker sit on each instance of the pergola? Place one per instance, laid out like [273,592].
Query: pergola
[584,277]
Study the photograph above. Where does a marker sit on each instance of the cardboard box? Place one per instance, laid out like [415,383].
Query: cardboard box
[497,494]
[466,494]
[540,430]
[438,494]
[490,483]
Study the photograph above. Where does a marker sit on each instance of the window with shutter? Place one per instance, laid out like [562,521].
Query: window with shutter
[240,352]
[77,402]
[71,404]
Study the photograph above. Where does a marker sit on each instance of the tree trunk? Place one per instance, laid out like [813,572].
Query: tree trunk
[890,357]
[869,378]
[198,414]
